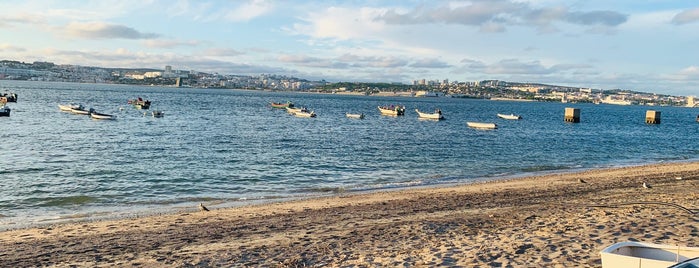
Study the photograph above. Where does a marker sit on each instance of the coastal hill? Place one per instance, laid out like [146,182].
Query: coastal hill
[484,89]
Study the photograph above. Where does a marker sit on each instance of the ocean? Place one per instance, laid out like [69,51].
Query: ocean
[228,147]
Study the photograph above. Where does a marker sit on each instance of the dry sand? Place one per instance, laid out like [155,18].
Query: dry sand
[542,221]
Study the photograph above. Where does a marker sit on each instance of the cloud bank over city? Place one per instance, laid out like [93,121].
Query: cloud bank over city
[645,46]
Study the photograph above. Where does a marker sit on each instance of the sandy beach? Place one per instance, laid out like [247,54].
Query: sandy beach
[558,220]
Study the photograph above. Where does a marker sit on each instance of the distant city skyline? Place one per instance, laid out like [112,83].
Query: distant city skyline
[645,46]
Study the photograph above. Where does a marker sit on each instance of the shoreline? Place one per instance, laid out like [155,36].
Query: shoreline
[121,212]
[542,220]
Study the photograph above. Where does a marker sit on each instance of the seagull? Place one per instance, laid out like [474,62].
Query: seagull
[645,185]
[203,208]
[581,181]
[678,178]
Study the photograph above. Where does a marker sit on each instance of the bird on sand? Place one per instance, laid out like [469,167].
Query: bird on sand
[202,207]
[581,181]
[678,178]
[645,185]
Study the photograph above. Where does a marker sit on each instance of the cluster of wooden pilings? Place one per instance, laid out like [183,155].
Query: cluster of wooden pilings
[572,115]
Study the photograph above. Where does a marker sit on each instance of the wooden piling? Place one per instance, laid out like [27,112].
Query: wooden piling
[652,117]
[572,115]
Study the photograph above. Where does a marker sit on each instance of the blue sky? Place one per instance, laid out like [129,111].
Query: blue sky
[645,45]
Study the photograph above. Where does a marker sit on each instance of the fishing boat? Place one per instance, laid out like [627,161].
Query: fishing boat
[8,97]
[80,110]
[392,110]
[646,255]
[510,116]
[140,103]
[102,116]
[69,107]
[437,115]
[482,125]
[292,110]
[281,105]
[305,113]
[354,116]
[5,111]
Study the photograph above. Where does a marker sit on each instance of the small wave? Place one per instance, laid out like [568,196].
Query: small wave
[544,168]
[65,201]
[335,190]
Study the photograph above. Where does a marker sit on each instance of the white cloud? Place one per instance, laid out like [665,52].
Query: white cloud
[101,30]
[429,63]
[340,23]
[250,10]
[11,48]
[221,52]
[163,43]
[485,13]
[686,16]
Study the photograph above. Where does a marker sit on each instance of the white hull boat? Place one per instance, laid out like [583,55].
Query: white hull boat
[646,255]
[354,116]
[102,116]
[69,107]
[305,114]
[510,116]
[292,110]
[392,110]
[482,125]
[81,111]
[434,116]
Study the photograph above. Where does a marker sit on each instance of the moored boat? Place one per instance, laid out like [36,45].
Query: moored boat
[5,111]
[102,116]
[392,110]
[292,111]
[8,97]
[510,116]
[305,113]
[646,255]
[354,116]
[69,107]
[140,103]
[437,115]
[81,110]
[282,105]
[482,125]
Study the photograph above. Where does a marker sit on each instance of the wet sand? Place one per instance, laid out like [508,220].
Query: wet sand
[542,221]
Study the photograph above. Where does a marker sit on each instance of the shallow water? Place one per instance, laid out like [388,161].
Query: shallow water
[228,146]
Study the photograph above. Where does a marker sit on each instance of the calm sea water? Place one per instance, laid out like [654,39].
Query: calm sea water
[228,147]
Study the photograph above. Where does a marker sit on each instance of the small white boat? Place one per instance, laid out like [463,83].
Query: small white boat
[392,110]
[292,110]
[5,111]
[646,255]
[437,115]
[305,113]
[510,116]
[354,116]
[101,116]
[69,107]
[482,125]
[81,110]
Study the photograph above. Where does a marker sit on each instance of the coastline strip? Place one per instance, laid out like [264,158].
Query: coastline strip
[546,220]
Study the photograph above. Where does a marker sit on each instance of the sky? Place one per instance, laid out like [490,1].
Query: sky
[643,45]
